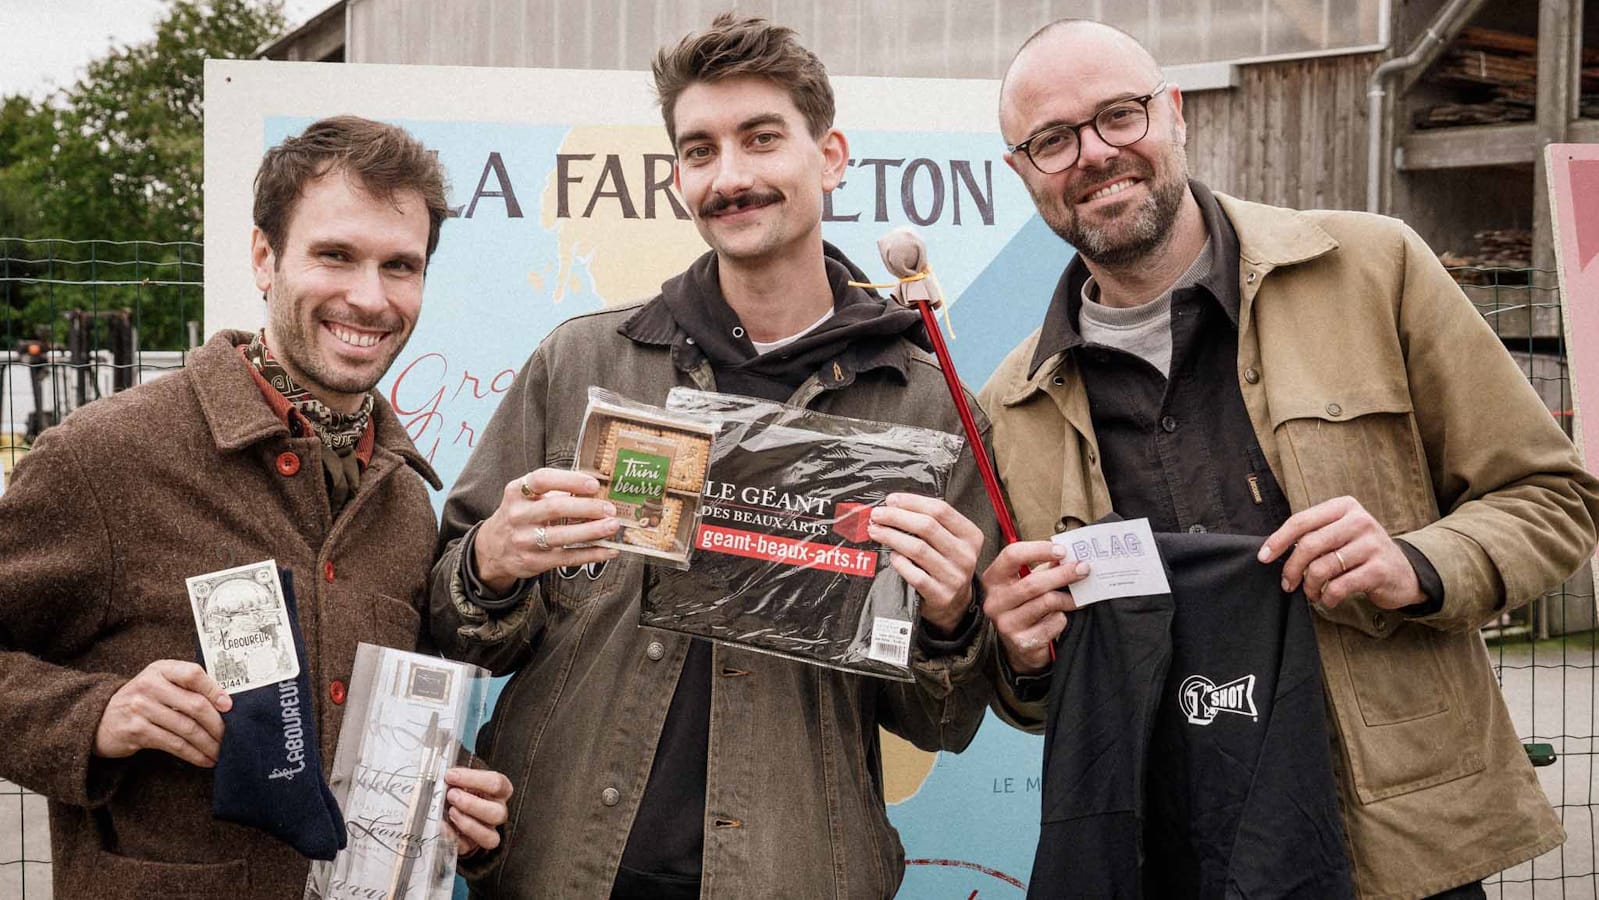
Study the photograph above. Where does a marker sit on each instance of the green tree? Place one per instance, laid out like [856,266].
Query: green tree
[127,162]
[118,156]
[24,133]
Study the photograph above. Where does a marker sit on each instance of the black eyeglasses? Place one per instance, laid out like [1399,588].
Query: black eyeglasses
[1056,148]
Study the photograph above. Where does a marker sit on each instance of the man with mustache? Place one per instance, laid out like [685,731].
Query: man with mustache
[1314,377]
[268,445]
[655,765]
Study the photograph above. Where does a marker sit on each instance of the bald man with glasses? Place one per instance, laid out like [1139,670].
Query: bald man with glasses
[1312,390]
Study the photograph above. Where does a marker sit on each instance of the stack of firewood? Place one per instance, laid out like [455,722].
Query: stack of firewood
[1507,248]
[1495,75]
[1495,72]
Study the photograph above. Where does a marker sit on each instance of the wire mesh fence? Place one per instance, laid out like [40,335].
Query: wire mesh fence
[1545,653]
[80,320]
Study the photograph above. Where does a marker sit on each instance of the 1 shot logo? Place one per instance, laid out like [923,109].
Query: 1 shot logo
[1201,698]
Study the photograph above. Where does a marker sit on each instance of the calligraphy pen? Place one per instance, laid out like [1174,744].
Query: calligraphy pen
[905,255]
[416,814]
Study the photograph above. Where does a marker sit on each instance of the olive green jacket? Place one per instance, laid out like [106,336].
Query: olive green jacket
[793,796]
[1366,372]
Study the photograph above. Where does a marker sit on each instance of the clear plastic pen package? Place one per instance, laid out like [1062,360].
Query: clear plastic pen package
[404,718]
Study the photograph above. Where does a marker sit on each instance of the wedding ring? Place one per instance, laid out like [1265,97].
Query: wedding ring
[1027,643]
[526,491]
[540,539]
[1342,566]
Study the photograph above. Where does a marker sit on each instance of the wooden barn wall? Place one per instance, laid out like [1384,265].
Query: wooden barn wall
[1291,133]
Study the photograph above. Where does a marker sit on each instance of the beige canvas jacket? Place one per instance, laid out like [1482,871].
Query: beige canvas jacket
[1366,372]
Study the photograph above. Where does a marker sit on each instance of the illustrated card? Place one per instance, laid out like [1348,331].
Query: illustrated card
[243,624]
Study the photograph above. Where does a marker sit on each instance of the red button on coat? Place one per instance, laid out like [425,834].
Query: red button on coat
[288,464]
[327,572]
[336,691]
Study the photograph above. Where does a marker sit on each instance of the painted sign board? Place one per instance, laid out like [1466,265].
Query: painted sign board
[561,182]
[1574,206]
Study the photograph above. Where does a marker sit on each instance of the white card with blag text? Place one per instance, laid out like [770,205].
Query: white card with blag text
[1122,558]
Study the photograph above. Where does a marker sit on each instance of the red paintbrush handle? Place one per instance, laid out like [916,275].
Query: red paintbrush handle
[985,468]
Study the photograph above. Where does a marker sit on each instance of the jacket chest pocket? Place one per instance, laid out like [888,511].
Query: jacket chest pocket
[1362,447]
[395,623]
[571,587]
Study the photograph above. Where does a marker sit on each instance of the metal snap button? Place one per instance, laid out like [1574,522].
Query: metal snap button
[655,650]
[1334,409]
[610,796]
[1251,375]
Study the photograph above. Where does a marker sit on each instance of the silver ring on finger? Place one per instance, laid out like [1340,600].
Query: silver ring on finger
[541,539]
[1027,643]
[1342,566]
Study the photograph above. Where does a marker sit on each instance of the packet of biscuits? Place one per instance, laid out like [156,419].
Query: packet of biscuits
[650,463]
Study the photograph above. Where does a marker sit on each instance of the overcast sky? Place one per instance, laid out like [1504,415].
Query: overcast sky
[45,44]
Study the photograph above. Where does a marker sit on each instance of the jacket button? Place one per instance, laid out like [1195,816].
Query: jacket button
[1168,424]
[327,572]
[1251,278]
[337,692]
[655,650]
[1379,621]
[288,464]
[1251,375]
[1058,380]
[610,796]
[1334,409]
[1196,528]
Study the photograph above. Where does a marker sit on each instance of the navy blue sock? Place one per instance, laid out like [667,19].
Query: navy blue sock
[269,770]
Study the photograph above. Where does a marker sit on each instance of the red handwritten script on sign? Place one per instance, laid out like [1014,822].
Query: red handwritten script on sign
[444,403]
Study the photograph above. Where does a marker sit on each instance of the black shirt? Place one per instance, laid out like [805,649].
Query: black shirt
[1180,451]
[1186,749]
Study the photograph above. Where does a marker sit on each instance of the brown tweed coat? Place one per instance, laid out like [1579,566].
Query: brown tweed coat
[101,524]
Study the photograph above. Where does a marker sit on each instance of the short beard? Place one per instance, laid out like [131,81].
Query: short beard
[1147,231]
[297,348]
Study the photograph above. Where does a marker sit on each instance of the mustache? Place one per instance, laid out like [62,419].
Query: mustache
[718,203]
[1117,169]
